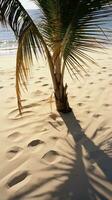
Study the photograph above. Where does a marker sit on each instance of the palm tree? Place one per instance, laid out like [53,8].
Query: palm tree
[68,29]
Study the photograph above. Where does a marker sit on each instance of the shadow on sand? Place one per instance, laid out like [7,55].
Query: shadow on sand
[86,184]
[83,181]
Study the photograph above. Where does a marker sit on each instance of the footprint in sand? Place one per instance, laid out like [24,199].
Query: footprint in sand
[96,115]
[44,85]
[79,87]
[73,97]
[99,73]
[54,138]
[88,97]
[91,83]
[37,81]
[15,136]
[41,78]
[88,111]
[17,179]
[51,157]
[1,87]
[110,75]
[36,143]
[106,105]
[80,104]
[101,79]
[13,152]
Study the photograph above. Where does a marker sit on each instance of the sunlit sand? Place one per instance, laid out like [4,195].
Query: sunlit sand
[48,156]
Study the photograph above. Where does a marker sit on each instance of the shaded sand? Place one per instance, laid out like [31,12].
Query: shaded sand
[48,156]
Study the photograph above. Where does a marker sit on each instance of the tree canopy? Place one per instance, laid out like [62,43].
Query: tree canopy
[67,30]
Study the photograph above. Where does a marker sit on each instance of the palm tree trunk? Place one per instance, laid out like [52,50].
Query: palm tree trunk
[61,98]
[60,91]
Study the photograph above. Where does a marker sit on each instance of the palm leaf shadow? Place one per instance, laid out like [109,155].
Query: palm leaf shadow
[96,155]
[80,183]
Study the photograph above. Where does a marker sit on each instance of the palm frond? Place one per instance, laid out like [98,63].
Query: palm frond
[71,25]
[84,32]
[65,34]
[30,41]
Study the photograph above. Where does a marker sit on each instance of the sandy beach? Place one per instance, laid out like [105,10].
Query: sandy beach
[45,155]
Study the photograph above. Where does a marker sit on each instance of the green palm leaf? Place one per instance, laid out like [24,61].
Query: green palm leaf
[68,26]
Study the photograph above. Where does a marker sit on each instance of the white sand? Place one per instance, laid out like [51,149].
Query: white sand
[45,156]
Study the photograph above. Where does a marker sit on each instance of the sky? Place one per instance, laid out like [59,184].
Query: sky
[28,4]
